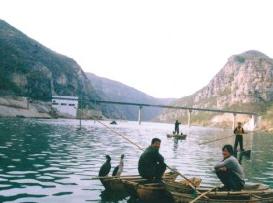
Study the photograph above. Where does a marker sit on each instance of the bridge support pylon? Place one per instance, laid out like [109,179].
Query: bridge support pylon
[189,118]
[253,119]
[139,114]
[234,121]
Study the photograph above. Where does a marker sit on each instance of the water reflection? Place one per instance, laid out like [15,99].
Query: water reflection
[53,161]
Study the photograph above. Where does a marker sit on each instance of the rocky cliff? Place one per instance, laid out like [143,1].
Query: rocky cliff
[245,83]
[29,69]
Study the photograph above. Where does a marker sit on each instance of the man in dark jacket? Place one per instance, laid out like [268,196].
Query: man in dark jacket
[176,127]
[239,131]
[151,163]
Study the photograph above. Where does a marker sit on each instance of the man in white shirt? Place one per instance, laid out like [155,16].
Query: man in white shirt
[229,171]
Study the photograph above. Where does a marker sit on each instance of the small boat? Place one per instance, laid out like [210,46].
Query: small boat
[156,192]
[250,194]
[246,153]
[20,116]
[114,123]
[181,192]
[176,136]
[115,183]
[243,154]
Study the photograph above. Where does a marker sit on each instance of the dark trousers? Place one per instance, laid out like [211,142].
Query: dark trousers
[238,139]
[230,180]
[176,130]
[155,172]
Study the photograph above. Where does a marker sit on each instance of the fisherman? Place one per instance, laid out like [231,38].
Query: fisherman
[151,163]
[229,171]
[239,131]
[176,127]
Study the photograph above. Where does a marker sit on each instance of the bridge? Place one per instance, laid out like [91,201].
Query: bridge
[189,109]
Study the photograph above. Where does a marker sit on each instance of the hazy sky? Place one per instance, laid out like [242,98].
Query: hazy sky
[164,48]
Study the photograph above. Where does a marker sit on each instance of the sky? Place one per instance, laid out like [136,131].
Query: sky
[163,48]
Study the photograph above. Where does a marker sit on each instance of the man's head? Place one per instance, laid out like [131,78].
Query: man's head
[156,143]
[239,124]
[227,151]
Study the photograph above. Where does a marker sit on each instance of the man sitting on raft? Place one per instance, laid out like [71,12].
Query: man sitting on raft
[151,163]
[229,171]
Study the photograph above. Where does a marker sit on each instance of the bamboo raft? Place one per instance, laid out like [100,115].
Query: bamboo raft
[157,192]
[115,183]
[171,191]
[251,194]
[180,137]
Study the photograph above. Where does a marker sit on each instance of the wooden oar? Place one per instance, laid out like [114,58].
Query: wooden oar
[210,141]
[191,184]
[203,194]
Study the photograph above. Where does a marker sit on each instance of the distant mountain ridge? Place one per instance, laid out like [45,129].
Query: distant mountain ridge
[245,83]
[116,91]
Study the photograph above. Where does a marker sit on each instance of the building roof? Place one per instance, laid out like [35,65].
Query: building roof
[65,97]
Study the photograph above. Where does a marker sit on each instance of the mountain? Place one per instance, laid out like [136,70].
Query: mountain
[245,83]
[30,69]
[115,91]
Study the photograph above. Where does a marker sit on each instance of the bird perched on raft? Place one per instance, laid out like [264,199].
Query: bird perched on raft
[119,168]
[106,167]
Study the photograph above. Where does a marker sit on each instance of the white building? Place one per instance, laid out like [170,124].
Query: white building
[66,105]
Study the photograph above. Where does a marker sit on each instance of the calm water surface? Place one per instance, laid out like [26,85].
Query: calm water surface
[54,161]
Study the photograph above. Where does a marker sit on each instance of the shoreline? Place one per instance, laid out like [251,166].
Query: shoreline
[20,107]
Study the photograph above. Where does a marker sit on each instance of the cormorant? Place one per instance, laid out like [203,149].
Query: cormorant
[106,167]
[118,169]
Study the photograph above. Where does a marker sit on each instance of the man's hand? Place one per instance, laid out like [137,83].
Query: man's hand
[224,169]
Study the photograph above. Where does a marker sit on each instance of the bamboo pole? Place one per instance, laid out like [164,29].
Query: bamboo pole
[115,177]
[210,141]
[203,194]
[123,177]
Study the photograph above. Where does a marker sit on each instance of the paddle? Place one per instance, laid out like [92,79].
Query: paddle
[203,194]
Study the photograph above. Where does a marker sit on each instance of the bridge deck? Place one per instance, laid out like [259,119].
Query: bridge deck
[174,107]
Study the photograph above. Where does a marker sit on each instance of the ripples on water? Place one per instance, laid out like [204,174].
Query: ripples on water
[53,161]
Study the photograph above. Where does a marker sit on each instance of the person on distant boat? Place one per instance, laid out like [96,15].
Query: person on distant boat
[176,127]
[229,171]
[151,163]
[239,131]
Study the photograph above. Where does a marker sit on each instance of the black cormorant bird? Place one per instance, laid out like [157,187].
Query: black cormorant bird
[118,169]
[106,167]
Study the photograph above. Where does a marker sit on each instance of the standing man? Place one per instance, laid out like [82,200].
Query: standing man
[229,171]
[176,127]
[239,131]
[151,163]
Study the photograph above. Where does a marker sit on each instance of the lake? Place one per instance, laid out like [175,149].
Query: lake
[54,160]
